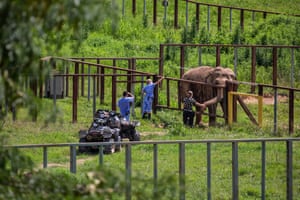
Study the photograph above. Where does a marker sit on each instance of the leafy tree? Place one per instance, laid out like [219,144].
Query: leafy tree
[32,29]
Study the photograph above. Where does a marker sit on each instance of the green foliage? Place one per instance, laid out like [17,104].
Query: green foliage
[20,181]
[31,30]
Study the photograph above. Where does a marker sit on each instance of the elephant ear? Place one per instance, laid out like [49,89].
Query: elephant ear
[210,77]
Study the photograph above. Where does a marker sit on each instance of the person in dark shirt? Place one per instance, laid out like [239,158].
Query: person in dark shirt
[188,112]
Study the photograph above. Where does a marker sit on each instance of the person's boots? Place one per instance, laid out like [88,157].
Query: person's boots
[144,115]
[149,115]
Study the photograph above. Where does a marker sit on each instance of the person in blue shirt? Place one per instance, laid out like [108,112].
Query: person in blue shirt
[124,105]
[148,92]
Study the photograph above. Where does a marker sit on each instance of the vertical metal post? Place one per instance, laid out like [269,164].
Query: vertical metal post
[73,159]
[235,171]
[208,18]
[89,82]
[94,95]
[67,81]
[165,4]
[292,67]
[218,55]
[253,68]
[219,18]
[114,88]
[274,60]
[275,110]
[176,14]
[134,7]
[181,61]
[82,78]
[230,19]
[197,17]
[54,90]
[155,171]
[181,171]
[235,60]
[208,158]
[263,170]
[128,170]
[289,170]
[291,111]
[186,15]
[242,19]
[45,157]
[154,12]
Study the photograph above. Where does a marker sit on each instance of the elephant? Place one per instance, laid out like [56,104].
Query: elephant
[210,92]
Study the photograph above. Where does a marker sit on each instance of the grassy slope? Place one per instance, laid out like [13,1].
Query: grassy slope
[135,42]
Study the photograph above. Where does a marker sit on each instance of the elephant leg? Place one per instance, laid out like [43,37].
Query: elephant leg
[212,110]
[198,121]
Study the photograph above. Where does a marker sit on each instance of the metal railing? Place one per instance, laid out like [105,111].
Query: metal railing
[182,165]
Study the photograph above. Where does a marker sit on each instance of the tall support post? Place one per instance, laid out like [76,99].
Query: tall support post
[291,111]
[235,171]
[219,17]
[242,19]
[82,77]
[181,171]
[134,8]
[176,14]
[289,170]
[218,55]
[208,18]
[114,88]
[253,68]
[197,16]
[154,12]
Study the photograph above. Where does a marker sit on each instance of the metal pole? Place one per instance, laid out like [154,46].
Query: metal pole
[186,15]
[208,18]
[293,67]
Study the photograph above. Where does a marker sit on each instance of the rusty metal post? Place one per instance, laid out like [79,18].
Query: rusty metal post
[155,100]
[67,81]
[253,68]
[219,17]
[242,19]
[102,84]
[74,97]
[114,88]
[176,14]
[98,78]
[168,93]
[82,78]
[129,74]
[197,16]
[274,65]
[154,11]
[40,81]
[218,55]
[265,15]
[181,61]
[76,72]
[161,60]
[134,8]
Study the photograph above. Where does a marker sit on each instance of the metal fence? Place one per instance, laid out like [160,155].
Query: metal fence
[289,161]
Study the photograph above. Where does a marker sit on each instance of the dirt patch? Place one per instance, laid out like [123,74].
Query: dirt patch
[78,161]
[267,99]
